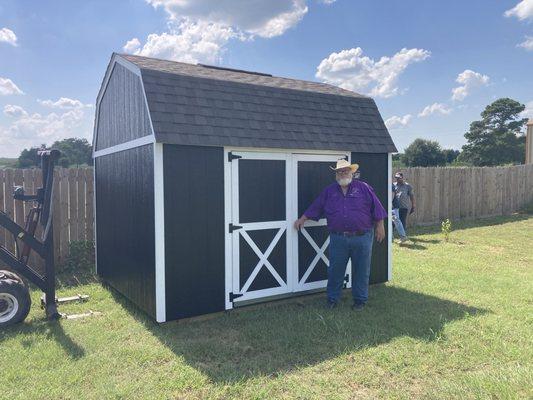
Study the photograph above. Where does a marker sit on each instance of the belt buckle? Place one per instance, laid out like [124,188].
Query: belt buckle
[354,233]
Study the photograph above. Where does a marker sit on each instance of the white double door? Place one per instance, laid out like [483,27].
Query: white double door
[266,193]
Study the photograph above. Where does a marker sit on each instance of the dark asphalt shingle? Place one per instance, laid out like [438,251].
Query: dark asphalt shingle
[197,105]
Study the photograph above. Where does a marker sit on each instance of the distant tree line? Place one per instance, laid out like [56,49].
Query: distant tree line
[74,152]
[496,139]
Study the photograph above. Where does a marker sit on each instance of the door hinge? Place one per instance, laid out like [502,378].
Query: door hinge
[232,156]
[233,296]
[234,228]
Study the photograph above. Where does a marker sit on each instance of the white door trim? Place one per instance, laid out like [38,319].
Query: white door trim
[282,227]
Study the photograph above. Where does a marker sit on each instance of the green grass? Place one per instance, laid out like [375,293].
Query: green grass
[455,322]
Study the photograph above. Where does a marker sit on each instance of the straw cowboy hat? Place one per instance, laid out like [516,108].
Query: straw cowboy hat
[342,163]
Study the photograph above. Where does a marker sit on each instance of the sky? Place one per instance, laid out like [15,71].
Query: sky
[431,66]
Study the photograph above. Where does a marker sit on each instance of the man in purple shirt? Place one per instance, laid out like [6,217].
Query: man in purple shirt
[354,215]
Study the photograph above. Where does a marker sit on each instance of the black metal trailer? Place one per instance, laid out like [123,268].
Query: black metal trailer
[15,299]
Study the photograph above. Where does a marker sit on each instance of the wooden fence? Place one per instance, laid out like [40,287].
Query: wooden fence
[468,193]
[72,206]
[454,193]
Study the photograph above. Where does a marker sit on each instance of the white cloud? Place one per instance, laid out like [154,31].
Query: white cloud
[51,126]
[28,130]
[259,17]
[190,42]
[528,112]
[469,80]
[327,2]
[132,45]
[14,111]
[351,70]
[64,103]
[435,108]
[396,122]
[7,87]
[523,10]
[527,44]
[8,36]
[199,30]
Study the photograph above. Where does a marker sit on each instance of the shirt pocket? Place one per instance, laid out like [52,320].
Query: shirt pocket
[333,205]
[357,201]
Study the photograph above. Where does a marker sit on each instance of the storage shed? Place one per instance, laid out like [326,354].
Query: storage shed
[200,172]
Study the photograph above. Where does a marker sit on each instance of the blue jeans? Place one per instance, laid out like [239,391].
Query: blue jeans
[342,248]
[398,222]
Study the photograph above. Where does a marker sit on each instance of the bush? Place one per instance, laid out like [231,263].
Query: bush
[79,267]
[446,228]
[527,208]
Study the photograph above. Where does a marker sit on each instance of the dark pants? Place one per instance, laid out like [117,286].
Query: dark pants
[404,212]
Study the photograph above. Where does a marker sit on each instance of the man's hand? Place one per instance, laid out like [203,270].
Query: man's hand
[379,231]
[300,222]
[412,210]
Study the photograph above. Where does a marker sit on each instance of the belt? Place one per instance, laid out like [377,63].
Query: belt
[353,233]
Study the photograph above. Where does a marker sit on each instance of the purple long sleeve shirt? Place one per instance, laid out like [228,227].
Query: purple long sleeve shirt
[356,211]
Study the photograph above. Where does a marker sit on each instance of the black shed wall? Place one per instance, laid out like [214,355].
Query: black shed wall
[194,230]
[374,171]
[125,224]
[122,114]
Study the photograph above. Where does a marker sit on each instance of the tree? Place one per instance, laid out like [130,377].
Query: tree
[74,151]
[423,153]
[497,139]
[29,158]
[450,155]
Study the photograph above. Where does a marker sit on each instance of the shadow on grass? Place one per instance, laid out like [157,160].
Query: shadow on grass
[276,338]
[470,223]
[418,240]
[51,329]
[413,245]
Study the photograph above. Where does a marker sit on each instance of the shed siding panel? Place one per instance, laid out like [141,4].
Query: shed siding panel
[194,230]
[125,224]
[123,115]
[374,169]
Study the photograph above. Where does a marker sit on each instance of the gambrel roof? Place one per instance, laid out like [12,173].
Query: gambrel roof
[204,105]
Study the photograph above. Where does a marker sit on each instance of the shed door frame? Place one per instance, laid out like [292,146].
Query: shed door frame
[237,236]
[301,285]
[292,157]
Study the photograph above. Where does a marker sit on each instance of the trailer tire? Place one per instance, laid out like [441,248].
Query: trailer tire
[15,302]
[4,274]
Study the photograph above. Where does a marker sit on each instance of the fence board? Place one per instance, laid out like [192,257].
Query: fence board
[80,193]
[434,194]
[2,207]
[10,207]
[19,205]
[64,220]
[72,205]
[89,210]
[55,214]
[27,176]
